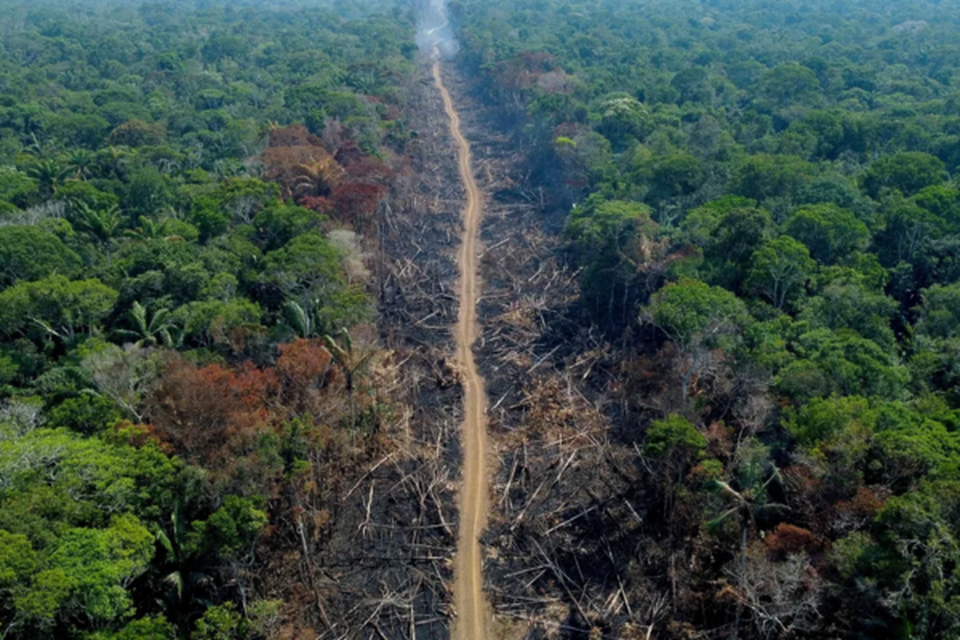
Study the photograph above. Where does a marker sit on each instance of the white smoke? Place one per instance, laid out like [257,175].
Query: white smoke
[434,31]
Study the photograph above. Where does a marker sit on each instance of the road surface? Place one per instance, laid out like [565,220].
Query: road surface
[473,611]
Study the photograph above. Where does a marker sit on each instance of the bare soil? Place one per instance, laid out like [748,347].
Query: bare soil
[473,612]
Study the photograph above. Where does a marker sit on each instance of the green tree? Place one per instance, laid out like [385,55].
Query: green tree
[212,322]
[677,174]
[729,235]
[789,84]
[829,232]
[917,547]
[698,319]
[623,120]
[770,176]
[845,300]
[674,445]
[157,330]
[49,175]
[61,308]
[308,271]
[98,564]
[101,225]
[689,312]
[608,236]
[844,363]
[940,311]
[907,172]
[780,270]
[30,253]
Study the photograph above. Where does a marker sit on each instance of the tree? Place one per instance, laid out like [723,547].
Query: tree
[829,232]
[690,312]
[623,120]
[146,628]
[849,304]
[49,175]
[907,172]
[780,270]
[308,272]
[98,564]
[278,224]
[213,322]
[676,440]
[917,547]
[781,598]
[770,176]
[210,414]
[236,200]
[609,238]
[698,319]
[940,311]
[16,186]
[158,330]
[126,376]
[356,203]
[86,546]
[907,230]
[677,174]
[788,84]
[841,362]
[30,253]
[61,308]
[352,362]
[729,234]
[136,133]
[101,225]
[80,164]
[672,446]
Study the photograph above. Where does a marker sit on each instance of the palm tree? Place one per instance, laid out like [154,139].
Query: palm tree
[49,176]
[37,148]
[113,160]
[300,318]
[80,164]
[101,225]
[752,500]
[184,581]
[152,330]
[351,361]
[149,229]
[320,176]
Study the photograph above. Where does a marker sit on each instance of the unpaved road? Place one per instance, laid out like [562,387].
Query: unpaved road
[473,612]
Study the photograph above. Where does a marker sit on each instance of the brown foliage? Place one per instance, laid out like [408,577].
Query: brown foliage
[356,203]
[720,440]
[213,412]
[524,70]
[369,170]
[855,513]
[788,539]
[316,203]
[348,153]
[206,413]
[306,370]
[299,163]
[295,135]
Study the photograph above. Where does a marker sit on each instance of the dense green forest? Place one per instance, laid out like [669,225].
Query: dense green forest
[761,221]
[186,194]
[765,228]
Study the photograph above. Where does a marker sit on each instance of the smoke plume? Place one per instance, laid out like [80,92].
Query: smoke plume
[434,32]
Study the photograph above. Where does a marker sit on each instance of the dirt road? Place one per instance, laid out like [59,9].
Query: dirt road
[473,612]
